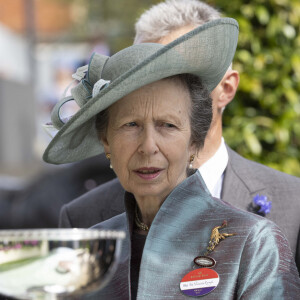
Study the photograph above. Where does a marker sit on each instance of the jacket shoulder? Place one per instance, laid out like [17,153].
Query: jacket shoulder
[117,222]
[101,193]
[99,204]
[246,168]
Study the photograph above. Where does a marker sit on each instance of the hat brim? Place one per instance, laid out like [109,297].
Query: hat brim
[206,51]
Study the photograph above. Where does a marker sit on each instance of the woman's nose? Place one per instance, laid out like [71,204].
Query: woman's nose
[148,142]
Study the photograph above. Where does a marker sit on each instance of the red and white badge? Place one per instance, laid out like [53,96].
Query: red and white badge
[199,282]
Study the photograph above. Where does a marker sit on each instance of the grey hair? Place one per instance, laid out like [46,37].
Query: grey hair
[201,108]
[165,17]
[200,113]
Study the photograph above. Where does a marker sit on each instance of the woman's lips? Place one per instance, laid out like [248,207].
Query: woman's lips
[148,173]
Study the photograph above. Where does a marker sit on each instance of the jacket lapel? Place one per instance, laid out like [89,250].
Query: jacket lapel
[174,240]
[240,182]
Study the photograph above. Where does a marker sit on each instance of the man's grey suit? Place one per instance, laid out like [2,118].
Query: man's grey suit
[243,180]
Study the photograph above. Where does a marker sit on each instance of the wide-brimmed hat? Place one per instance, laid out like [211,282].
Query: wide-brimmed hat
[206,51]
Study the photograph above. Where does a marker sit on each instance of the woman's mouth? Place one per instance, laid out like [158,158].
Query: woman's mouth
[148,173]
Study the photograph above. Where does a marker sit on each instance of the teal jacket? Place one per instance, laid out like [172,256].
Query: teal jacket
[255,263]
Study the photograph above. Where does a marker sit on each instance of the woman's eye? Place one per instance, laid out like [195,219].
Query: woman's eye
[169,125]
[131,124]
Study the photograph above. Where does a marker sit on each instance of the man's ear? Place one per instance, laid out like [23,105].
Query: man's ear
[227,88]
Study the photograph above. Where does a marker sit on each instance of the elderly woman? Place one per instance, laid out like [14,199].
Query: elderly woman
[148,108]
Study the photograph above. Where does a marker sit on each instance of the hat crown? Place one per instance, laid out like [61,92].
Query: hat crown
[128,58]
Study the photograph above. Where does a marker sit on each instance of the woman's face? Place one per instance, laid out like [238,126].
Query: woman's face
[148,137]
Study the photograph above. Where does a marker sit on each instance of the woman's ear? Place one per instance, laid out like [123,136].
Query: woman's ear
[105,144]
[193,149]
[227,88]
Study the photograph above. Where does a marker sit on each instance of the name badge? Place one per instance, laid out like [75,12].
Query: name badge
[199,282]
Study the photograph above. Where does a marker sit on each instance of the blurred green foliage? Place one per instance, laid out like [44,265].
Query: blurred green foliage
[262,123]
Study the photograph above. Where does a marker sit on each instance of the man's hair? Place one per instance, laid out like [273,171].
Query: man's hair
[167,16]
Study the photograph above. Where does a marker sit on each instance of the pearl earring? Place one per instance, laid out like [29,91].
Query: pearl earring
[108,156]
[191,161]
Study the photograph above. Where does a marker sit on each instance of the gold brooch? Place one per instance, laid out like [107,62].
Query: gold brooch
[216,237]
[205,261]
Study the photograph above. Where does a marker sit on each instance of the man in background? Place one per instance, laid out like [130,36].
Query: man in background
[241,182]
[36,204]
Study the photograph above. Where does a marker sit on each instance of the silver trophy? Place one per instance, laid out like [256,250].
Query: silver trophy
[57,263]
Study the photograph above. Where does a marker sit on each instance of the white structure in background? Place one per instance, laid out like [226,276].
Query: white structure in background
[24,108]
[14,65]
[55,65]
[17,104]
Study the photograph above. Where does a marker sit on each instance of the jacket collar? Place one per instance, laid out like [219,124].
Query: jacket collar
[239,173]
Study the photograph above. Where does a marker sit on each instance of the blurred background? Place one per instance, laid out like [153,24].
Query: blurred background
[42,42]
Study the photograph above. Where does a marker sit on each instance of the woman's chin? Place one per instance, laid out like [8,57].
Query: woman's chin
[150,191]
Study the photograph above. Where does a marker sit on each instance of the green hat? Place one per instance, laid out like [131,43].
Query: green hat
[206,51]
